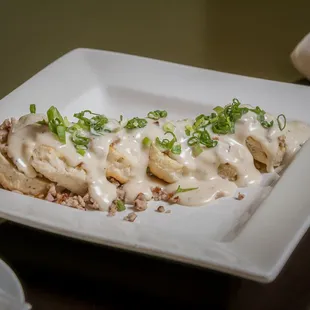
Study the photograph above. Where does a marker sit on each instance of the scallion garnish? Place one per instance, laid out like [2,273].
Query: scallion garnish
[84,122]
[32,108]
[56,123]
[120,206]
[61,133]
[146,142]
[81,149]
[169,145]
[201,137]
[261,117]
[157,114]
[222,121]
[78,138]
[218,109]
[183,190]
[197,150]
[168,127]
[281,126]
[188,130]
[201,120]
[66,122]
[136,122]
[176,149]
[96,124]
[74,128]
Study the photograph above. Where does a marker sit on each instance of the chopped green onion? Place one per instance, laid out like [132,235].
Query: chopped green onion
[176,149]
[261,117]
[83,125]
[223,119]
[79,139]
[120,206]
[206,140]
[281,126]
[81,149]
[183,190]
[201,120]
[146,142]
[74,127]
[32,108]
[43,122]
[218,109]
[66,121]
[56,123]
[168,127]
[165,144]
[197,150]
[96,124]
[83,121]
[168,145]
[136,122]
[265,124]
[157,114]
[61,133]
[201,137]
[188,130]
[223,125]
[193,140]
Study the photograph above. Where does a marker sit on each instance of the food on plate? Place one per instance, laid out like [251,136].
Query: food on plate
[163,166]
[12,179]
[48,162]
[97,163]
[119,167]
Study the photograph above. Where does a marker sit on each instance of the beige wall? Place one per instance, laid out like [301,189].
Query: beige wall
[234,36]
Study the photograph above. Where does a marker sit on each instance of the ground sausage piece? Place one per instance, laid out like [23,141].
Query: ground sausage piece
[161,209]
[156,191]
[161,194]
[240,196]
[140,203]
[121,193]
[130,217]
[72,200]
[174,199]
[112,209]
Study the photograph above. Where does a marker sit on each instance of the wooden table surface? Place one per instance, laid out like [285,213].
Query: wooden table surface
[61,273]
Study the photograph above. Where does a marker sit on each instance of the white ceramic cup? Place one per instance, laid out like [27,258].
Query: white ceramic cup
[11,292]
[301,56]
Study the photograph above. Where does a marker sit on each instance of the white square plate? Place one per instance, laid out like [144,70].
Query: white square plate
[252,238]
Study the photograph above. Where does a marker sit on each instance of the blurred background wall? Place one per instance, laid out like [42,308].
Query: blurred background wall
[246,37]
